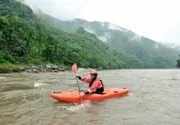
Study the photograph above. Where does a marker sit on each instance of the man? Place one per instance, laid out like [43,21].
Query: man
[95,85]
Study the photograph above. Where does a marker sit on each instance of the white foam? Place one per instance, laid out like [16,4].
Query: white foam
[36,85]
[2,78]
[73,108]
[76,107]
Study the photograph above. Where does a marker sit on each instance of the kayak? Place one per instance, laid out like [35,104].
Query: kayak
[73,96]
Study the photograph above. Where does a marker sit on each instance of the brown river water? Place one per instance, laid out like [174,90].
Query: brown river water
[154,99]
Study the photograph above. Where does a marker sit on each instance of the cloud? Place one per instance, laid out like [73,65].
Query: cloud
[61,9]
[156,19]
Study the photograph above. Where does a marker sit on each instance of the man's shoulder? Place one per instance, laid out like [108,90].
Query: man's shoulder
[98,80]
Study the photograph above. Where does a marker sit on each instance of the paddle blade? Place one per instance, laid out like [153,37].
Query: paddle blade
[74,67]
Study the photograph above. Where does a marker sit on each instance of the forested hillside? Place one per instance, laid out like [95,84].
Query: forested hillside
[178,62]
[144,51]
[30,39]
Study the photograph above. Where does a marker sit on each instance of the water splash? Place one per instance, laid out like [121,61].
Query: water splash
[2,78]
[36,85]
[73,108]
[76,107]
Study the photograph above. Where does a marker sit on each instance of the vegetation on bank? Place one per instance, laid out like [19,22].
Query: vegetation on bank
[28,39]
[178,62]
[7,68]
[140,52]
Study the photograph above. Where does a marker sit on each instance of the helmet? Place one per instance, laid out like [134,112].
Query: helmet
[94,73]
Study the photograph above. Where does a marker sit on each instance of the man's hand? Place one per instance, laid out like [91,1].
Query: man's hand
[76,75]
[82,94]
[79,77]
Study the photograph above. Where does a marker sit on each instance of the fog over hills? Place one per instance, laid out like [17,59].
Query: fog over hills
[159,24]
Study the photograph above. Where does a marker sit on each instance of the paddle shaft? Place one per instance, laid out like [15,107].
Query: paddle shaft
[74,69]
[78,84]
[78,88]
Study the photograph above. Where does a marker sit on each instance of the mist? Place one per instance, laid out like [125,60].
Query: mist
[61,9]
[157,20]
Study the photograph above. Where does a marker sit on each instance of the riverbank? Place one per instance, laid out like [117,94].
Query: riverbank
[10,68]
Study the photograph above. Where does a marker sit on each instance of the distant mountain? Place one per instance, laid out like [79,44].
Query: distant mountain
[147,52]
[28,38]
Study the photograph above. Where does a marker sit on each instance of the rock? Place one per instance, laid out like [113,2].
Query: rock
[48,66]
[22,68]
[54,67]
[29,71]
[35,70]
[34,67]
[61,69]
[56,70]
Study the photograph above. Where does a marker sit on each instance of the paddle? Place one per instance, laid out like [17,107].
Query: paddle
[74,69]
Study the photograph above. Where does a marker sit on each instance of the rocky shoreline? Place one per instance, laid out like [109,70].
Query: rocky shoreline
[35,69]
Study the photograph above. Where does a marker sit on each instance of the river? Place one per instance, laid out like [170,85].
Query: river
[154,99]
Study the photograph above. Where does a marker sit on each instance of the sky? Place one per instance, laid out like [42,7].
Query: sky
[156,19]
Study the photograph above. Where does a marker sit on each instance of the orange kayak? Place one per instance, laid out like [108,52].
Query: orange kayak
[73,96]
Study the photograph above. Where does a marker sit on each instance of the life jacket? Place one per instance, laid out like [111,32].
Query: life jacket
[98,90]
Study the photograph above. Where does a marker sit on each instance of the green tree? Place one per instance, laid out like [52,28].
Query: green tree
[178,62]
